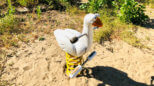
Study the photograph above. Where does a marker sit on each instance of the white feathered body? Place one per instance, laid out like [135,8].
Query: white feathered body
[63,38]
[83,44]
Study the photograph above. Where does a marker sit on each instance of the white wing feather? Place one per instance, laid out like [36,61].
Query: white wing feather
[63,38]
[72,33]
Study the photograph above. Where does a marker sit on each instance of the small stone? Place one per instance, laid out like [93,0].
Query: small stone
[22,9]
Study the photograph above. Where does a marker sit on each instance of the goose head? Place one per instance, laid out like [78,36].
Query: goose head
[93,19]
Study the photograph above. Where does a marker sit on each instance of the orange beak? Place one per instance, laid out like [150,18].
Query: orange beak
[97,23]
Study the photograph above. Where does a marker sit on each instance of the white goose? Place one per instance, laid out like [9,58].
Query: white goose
[74,42]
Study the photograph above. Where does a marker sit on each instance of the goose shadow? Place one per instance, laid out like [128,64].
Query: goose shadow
[109,76]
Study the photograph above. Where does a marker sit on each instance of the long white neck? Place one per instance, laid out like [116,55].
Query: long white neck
[87,29]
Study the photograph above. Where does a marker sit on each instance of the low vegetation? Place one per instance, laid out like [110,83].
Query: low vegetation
[123,12]
[133,12]
[8,27]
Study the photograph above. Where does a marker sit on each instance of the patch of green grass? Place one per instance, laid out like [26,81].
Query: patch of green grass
[12,31]
[8,25]
[11,9]
[113,28]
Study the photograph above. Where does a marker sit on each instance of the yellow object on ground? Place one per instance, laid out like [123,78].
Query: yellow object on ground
[72,62]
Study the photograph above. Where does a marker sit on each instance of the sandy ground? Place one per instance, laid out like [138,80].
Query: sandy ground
[41,63]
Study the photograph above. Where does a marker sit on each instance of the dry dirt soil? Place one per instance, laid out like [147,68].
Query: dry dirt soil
[41,63]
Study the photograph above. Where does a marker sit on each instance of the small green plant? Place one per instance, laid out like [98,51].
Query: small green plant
[41,39]
[11,9]
[133,12]
[9,27]
[38,11]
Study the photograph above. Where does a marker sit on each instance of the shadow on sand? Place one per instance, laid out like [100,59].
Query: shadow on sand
[150,24]
[109,76]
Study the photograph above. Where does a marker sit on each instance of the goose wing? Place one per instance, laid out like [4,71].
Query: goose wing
[63,38]
[72,33]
